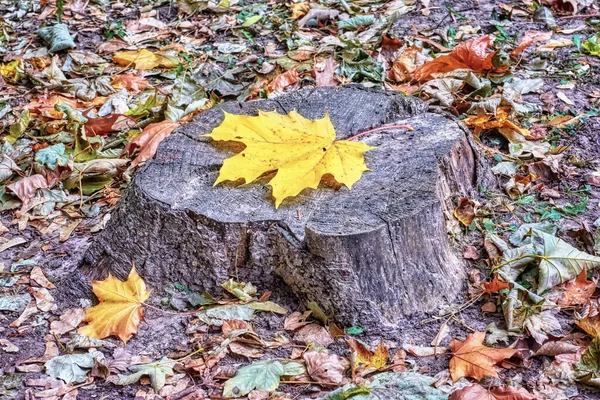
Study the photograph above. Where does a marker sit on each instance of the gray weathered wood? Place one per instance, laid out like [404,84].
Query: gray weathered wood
[372,255]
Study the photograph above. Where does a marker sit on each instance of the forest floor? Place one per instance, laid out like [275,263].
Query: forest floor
[82,109]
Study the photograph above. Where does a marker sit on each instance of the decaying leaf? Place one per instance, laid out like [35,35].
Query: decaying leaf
[465,211]
[577,291]
[325,367]
[300,150]
[261,375]
[157,372]
[71,368]
[363,360]
[120,310]
[472,359]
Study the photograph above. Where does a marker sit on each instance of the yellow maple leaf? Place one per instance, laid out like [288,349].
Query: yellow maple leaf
[365,362]
[120,310]
[300,150]
[143,59]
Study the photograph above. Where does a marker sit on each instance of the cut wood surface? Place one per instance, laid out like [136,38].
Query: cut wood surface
[372,255]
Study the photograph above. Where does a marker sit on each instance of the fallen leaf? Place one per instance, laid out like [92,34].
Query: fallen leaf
[157,371]
[131,82]
[528,39]
[299,10]
[301,151]
[68,321]
[577,291]
[261,375]
[120,310]
[284,80]
[423,351]
[37,275]
[43,299]
[71,368]
[143,59]
[552,349]
[495,285]
[147,141]
[472,359]
[465,211]
[313,333]
[326,77]
[478,392]
[469,55]
[363,361]
[325,367]
[25,188]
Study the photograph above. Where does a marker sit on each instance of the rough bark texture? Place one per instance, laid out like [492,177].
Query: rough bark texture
[371,255]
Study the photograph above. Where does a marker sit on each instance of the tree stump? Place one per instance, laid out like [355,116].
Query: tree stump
[372,255]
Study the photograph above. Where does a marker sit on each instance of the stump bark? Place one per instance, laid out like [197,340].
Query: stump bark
[372,255]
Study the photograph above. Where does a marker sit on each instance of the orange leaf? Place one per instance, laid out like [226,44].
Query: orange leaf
[578,290]
[495,285]
[283,80]
[477,392]
[104,125]
[528,39]
[469,55]
[363,361]
[147,141]
[465,211]
[42,104]
[131,82]
[120,310]
[472,359]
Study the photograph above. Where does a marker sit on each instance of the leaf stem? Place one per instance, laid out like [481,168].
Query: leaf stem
[381,128]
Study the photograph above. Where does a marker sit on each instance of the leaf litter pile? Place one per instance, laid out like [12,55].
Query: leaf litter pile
[89,89]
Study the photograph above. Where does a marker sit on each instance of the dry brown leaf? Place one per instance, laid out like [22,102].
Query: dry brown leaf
[25,188]
[313,333]
[43,299]
[283,80]
[528,39]
[296,320]
[245,350]
[556,348]
[147,141]
[577,291]
[299,10]
[326,77]
[472,359]
[131,82]
[29,310]
[465,211]
[323,367]
[37,275]
[68,321]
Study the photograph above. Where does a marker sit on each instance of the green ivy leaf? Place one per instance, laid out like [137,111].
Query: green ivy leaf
[261,375]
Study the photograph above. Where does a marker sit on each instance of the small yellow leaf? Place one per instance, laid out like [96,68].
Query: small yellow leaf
[363,361]
[143,59]
[12,72]
[120,310]
[300,150]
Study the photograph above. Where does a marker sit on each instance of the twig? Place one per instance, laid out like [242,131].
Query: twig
[381,128]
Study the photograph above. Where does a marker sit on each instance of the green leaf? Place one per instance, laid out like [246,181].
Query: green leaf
[53,156]
[354,330]
[18,128]
[251,21]
[10,385]
[588,368]
[70,368]
[356,22]
[560,261]
[261,375]
[156,371]
[592,45]
[575,209]
[267,306]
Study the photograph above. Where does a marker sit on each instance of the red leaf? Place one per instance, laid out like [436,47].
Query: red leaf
[284,80]
[528,39]
[25,188]
[104,125]
[148,140]
[469,55]
[494,286]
